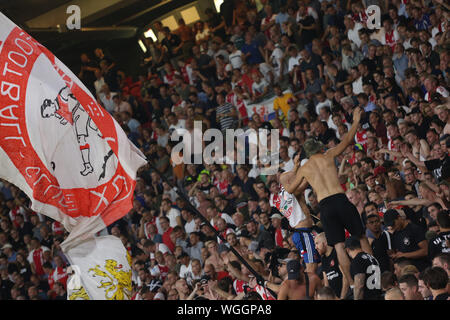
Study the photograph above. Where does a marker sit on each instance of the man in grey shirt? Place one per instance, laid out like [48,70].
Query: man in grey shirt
[194,247]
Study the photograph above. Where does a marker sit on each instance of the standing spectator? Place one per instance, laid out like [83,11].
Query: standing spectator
[365,271]
[408,240]
[280,233]
[440,243]
[167,230]
[87,72]
[225,113]
[186,36]
[333,276]
[381,242]
[36,257]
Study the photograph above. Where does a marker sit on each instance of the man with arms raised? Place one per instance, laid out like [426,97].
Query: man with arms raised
[337,213]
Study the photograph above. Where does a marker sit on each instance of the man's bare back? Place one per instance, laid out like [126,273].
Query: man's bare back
[320,172]
[296,290]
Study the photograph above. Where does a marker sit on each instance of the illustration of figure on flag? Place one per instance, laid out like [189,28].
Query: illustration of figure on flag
[67,108]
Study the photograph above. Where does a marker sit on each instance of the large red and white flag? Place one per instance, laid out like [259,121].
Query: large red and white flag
[57,144]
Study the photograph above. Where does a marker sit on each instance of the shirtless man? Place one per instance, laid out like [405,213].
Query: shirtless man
[292,204]
[337,213]
[214,257]
[299,285]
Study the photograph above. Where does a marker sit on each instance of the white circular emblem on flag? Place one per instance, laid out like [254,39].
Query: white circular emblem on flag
[72,147]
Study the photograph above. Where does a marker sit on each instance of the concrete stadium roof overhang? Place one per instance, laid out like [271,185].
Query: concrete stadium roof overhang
[100,19]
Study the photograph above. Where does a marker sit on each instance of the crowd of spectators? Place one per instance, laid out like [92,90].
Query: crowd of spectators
[320,60]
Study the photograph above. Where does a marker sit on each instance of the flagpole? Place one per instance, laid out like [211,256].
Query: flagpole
[258,277]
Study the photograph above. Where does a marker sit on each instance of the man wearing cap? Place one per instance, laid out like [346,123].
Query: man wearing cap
[337,213]
[365,271]
[274,283]
[292,205]
[299,285]
[7,250]
[408,240]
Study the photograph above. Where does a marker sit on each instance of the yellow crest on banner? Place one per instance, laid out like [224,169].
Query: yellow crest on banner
[79,294]
[117,283]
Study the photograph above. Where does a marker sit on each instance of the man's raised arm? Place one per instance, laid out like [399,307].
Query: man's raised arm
[349,137]
[291,180]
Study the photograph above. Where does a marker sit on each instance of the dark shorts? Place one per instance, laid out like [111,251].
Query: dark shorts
[337,213]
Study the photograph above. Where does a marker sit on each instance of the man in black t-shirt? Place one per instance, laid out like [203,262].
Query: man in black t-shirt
[439,167]
[408,240]
[381,241]
[226,11]
[172,42]
[440,243]
[88,68]
[206,64]
[311,61]
[365,271]
[436,279]
[216,23]
[322,132]
[307,26]
[332,273]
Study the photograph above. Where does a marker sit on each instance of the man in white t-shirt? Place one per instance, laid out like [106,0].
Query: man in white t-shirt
[260,87]
[267,72]
[213,215]
[151,247]
[185,268]
[294,59]
[175,123]
[235,56]
[98,84]
[357,83]
[276,59]
[173,214]
[190,225]
[322,102]
[352,30]
[287,163]
[106,98]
